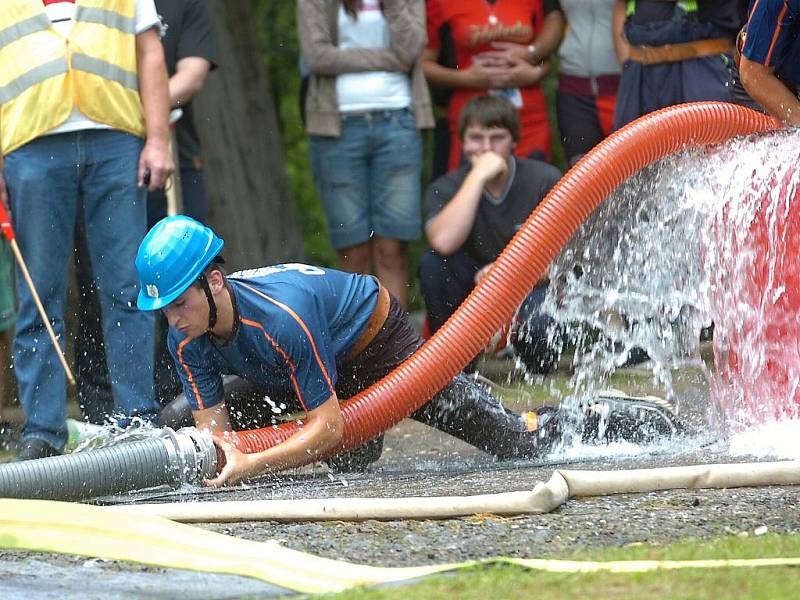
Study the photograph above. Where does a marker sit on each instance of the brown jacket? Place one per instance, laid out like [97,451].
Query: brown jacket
[317,26]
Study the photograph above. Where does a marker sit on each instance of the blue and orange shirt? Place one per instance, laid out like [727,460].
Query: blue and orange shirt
[293,323]
[773,37]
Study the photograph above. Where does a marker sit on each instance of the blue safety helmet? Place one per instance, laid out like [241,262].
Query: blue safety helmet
[171,257]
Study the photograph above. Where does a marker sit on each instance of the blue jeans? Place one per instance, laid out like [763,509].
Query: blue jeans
[48,179]
[7,298]
[369,178]
[446,281]
[94,388]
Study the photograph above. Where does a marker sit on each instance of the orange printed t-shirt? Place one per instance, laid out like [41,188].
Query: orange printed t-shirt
[474,24]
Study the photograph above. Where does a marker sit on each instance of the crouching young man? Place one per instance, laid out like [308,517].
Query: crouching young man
[298,337]
[472,214]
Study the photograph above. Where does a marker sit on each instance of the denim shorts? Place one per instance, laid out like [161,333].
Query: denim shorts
[7,310]
[369,177]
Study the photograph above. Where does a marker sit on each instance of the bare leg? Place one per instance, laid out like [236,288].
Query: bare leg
[391,266]
[355,259]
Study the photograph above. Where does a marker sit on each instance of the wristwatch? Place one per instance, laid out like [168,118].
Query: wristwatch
[531,53]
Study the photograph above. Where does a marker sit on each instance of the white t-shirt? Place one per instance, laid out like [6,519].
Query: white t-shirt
[370,90]
[61,15]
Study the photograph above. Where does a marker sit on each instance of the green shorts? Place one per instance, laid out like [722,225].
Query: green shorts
[7,306]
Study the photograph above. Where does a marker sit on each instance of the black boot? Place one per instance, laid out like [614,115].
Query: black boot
[615,417]
[33,448]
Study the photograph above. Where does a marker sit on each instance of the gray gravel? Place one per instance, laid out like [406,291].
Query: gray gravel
[419,461]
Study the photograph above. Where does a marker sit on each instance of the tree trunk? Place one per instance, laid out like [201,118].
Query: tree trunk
[250,204]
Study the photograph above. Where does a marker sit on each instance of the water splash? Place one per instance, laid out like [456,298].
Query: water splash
[777,439]
[753,255]
[709,235]
[87,436]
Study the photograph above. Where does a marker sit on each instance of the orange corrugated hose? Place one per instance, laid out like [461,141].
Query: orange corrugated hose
[493,302]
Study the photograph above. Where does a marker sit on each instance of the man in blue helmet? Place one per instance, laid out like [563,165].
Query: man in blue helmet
[307,337]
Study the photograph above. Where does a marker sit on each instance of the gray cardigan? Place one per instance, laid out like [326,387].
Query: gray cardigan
[588,47]
[317,26]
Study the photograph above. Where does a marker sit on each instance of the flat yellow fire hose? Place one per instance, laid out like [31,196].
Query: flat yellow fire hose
[62,527]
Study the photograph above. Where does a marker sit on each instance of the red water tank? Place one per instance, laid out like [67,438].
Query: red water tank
[756,300]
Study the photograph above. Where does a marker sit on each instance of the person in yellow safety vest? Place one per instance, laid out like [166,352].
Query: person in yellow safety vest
[84,110]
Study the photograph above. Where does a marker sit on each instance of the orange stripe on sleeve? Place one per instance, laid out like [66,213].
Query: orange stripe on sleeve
[753,9]
[197,397]
[285,356]
[303,326]
[776,35]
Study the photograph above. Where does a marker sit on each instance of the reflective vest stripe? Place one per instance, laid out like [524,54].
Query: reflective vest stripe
[689,6]
[30,78]
[19,30]
[109,18]
[44,75]
[101,68]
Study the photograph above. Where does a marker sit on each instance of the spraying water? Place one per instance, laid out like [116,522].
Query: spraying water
[705,236]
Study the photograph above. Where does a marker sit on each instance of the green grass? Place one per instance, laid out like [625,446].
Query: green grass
[510,581]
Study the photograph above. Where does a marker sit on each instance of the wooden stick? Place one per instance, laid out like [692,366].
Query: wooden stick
[29,281]
[174,189]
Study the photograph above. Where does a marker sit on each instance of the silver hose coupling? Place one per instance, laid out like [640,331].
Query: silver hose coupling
[192,454]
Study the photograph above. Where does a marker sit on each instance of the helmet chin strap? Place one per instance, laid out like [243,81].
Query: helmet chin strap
[212,306]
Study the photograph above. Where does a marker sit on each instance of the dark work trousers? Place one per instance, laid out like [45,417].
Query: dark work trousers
[94,388]
[446,281]
[193,197]
[463,409]
[582,122]
[645,88]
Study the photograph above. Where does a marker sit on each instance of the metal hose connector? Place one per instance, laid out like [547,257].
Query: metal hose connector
[172,459]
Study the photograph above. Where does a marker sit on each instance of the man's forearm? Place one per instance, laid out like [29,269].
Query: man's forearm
[769,92]
[153,85]
[188,80]
[448,230]
[320,436]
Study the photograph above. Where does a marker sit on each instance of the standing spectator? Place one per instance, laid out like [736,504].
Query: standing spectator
[770,60]
[500,47]
[472,214]
[672,52]
[84,118]
[367,99]
[190,53]
[588,76]
[6,323]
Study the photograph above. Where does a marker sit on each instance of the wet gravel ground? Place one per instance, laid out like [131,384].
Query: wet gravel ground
[418,461]
[448,467]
